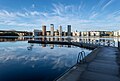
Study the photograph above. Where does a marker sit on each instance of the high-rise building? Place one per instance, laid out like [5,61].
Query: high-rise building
[52,29]
[69,30]
[43,30]
[60,30]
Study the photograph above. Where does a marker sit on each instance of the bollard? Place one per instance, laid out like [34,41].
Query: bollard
[119,45]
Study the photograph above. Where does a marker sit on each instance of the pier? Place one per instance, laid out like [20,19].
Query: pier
[88,44]
[102,64]
[84,45]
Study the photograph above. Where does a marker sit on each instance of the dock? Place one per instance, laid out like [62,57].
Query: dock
[102,64]
[78,44]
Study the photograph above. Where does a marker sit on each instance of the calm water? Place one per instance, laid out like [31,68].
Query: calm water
[20,61]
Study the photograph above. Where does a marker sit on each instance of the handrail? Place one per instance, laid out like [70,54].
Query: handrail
[81,57]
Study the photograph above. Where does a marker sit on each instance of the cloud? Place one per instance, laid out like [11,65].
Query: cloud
[20,14]
[34,13]
[24,19]
[67,10]
[114,16]
[93,15]
[62,14]
[33,5]
[58,10]
[4,13]
[107,4]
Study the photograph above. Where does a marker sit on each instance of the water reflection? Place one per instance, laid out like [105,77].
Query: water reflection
[51,46]
[30,47]
[97,40]
[23,62]
[13,39]
[20,61]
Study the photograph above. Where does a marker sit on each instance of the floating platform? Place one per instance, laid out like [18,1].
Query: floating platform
[83,45]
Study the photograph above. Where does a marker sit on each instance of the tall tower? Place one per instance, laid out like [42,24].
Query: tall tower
[52,29]
[60,30]
[69,30]
[43,30]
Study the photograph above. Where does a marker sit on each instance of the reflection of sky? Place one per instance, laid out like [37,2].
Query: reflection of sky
[16,53]
[57,55]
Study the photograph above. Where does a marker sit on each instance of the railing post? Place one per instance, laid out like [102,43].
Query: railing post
[119,45]
[81,57]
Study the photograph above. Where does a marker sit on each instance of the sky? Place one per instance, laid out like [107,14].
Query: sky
[82,15]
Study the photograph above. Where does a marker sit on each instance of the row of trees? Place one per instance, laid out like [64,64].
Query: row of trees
[9,34]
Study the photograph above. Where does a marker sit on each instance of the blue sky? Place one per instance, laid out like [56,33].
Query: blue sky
[83,15]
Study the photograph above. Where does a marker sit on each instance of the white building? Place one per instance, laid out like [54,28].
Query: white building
[94,33]
[47,33]
[76,34]
[52,29]
[37,32]
[85,33]
[60,30]
[117,33]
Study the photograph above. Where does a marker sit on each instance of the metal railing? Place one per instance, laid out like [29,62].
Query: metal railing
[81,57]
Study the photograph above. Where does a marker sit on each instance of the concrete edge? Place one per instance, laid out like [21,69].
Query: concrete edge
[74,73]
[91,56]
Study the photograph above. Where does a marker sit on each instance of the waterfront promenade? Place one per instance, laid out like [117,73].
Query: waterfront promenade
[102,64]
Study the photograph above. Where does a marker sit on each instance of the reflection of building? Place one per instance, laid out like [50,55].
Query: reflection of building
[6,39]
[60,30]
[51,39]
[52,29]
[43,45]
[60,39]
[44,30]
[51,46]
[43,38]
[69,30]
